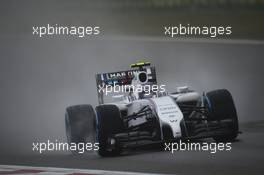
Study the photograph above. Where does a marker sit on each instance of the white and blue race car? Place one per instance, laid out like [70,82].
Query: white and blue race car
[141,113]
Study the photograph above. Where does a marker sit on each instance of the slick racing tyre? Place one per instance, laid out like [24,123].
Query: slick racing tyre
[221,107]
[80,124]
[108,123]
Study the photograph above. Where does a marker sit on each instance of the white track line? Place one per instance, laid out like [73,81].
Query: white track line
[61,171]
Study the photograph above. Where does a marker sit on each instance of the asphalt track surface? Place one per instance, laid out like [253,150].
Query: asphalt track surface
[246,157]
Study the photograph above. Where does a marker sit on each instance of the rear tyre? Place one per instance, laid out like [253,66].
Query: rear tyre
[221,107]
[108,123]
[80,124]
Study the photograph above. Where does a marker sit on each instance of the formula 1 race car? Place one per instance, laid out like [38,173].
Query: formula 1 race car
[142,112]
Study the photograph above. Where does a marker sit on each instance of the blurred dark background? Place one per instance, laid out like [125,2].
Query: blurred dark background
[40,77]
[135,17]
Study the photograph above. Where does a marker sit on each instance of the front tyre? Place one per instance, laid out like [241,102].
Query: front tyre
[80,124]
[221,107]
[108,123]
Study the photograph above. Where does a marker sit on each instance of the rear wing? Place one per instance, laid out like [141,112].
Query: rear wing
[120,78]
